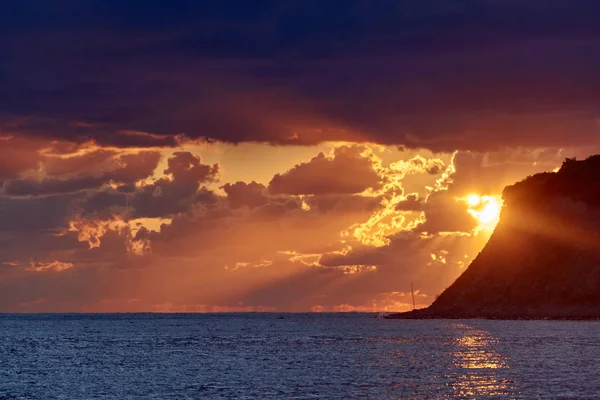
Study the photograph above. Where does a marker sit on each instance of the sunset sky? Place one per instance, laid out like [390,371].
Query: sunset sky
[192,156]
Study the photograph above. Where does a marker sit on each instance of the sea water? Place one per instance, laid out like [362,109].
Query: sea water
[293,356]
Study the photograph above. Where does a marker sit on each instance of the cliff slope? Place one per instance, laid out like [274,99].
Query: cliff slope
[543,259]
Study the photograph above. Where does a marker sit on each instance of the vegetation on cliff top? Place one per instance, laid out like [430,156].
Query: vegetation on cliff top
[576,180]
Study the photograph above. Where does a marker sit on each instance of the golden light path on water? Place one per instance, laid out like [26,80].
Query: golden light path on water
[477,362]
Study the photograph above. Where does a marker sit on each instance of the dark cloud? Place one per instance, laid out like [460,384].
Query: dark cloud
[63,128]
[347,172]
[51,203]
[89,171]
[25,246]
[133,167]
[104,203]
[108,164]
[431,166]
[412,202]
[34,214]
[184,166]
[437,74]
[241,194]
[165,197]
[85,164]
[31,187]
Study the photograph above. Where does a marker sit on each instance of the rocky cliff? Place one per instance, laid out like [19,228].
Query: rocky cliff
[543,259]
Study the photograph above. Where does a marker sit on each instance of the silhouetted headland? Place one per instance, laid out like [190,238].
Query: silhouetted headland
[542,260]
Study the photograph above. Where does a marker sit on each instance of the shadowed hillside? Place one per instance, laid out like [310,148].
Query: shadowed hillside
[543,259]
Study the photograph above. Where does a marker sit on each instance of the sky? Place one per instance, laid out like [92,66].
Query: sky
[201,156]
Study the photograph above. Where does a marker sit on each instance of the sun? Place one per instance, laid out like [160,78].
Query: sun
[473,200]
[485,209]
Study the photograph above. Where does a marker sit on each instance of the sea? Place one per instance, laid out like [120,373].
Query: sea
[293,356]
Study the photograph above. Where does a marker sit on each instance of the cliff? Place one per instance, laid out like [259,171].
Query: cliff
[543,258]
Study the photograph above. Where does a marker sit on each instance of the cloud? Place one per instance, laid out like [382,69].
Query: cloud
[184,166]
[432,166]
[346,171]
[23,247]
[90,163]
[242,194]
[81,172]
[68,249]
[56,266]
[446,76]
[41,226]
[177,191]
[31,187]
[167,197]
[34,214]
[412,202]
[17,155]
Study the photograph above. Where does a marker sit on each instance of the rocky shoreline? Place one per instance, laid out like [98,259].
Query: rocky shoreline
[424,314]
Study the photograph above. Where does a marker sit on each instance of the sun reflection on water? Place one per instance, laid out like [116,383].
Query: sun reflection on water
[477,364]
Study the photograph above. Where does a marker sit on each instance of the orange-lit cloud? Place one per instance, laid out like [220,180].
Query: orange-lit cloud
[345,171]
[56,266]
[347,229]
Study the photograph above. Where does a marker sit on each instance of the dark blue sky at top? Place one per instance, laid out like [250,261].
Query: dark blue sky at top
[435,73]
